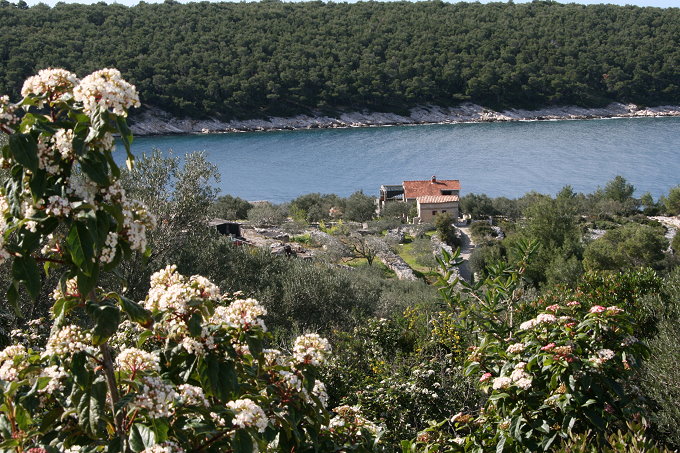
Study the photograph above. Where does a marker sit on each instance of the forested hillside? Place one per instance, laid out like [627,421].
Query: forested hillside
[235,60]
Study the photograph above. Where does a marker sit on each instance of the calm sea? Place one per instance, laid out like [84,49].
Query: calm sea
[499,159]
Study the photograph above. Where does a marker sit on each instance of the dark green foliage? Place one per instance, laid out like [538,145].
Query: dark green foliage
[485,255]
[618,189]
[314,207]
[250,59]
[660,379]
[231,208]
[399,210]
[477,206]
[672,201]
[359,207]
[648,205]
[482,231]
[447,231]
[629,246]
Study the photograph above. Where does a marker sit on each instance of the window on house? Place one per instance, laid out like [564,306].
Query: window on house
[443,211]
[434,212]
[447,192]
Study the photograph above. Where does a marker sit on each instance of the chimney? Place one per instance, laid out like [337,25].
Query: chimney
[434,179]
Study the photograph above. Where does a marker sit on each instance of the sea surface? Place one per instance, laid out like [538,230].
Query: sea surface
[499,159]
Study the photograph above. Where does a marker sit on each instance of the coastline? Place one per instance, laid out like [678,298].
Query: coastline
[157,122]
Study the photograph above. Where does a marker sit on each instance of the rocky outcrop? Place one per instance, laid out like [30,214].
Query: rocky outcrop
[154,121]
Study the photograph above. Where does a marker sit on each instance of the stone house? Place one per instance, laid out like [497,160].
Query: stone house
[432,197]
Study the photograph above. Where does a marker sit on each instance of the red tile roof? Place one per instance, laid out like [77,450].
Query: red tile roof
[415,189]
[429,199]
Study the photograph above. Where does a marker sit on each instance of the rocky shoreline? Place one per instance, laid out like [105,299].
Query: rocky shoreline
[157,122]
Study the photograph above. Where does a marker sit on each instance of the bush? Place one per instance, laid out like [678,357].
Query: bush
[660,380]
[231,208]
[359,207]
[184,370]
[447,231]
[267,214]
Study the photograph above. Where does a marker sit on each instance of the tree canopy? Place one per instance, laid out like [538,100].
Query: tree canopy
[236,60]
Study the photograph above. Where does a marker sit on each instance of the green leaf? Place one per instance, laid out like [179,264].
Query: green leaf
[143,337]
[25,270]
[136,312]
[87,283]
[81,374]
[160,428]
[13,299]
[37,184]
[500,445]
[125,134]
[195,324]
[242,442]
[79,241]
[106,317]
[218,377]
[90,405]
[141,437]
[24,148]
[95,166]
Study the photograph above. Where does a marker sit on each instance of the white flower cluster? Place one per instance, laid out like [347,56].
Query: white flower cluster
[311,349]
[7,110]
[603,355]
[56,374]
[240,314]
[319,391]
[248,414]
[543,318]
[57,83]
[136,220]
[515,348]
[109,250]
[351,417]
[191,395]
[47,158]
[63,142]
[71,289]
[290,380]
[106,89]
[68,340]
[58,206]
[12,361]
[133,360]
[155,397]
[274,357]
[166,447]
[520,377]
[170,291]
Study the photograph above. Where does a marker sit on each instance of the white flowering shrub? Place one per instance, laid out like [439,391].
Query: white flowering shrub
[559,373]
[186,369]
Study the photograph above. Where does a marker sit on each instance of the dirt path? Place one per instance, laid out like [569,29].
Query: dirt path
[466,249]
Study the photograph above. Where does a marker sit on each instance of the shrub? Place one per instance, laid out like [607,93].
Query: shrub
[359,207]
[447,231]
[267,214]
[185,369]
[231,208]
[660,380]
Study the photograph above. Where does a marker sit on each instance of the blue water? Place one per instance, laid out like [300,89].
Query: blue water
[499,159]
